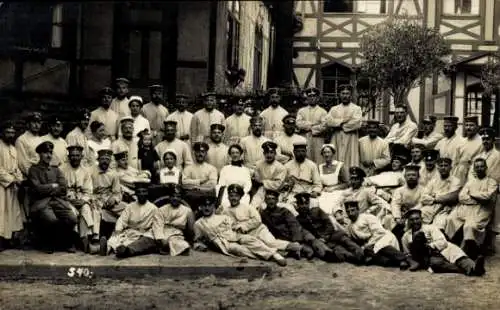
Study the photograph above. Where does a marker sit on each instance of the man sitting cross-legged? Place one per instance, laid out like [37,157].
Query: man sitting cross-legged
[219,230]
[248,221]
[173,224]
[428,248]
[335,245]
[133,233]
[379,244]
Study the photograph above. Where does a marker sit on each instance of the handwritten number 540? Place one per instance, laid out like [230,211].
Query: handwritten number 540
[80,272]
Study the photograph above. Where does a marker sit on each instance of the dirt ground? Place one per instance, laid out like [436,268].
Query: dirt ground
[301,285]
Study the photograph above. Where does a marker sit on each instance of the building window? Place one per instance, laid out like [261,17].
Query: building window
[233,34]
[355,6]
[461,7]
[477,104]
[257,58]
[144,54]
[57,26]
[334,76]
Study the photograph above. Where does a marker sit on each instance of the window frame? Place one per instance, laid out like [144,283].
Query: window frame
[233,32]
[57,25]
[338,79]
[258,56]
[355,8]
[457,11]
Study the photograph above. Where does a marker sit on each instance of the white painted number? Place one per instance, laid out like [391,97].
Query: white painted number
[80,272]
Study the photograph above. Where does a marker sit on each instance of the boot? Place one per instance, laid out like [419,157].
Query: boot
[293,249]
[2,244]
[307,252]
[122,252]
[414,265]
[479,269]
[103,246]
[404,265]
[85,245]
[279,259]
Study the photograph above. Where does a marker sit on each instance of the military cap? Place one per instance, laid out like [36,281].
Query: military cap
[312,91]
[487,132]
[217,126]
[345,86]
[471,119]
[300,143]
[269,146]
[429,119]
[170,123]
[445,159]
[289,119]
[200,146]
[75,148]
[235,188]
[138,185]
[106,91]
[272,192]
[401,107]
[122,80]
[34,117]
[121,155]
[373,122]
[210,199]
[412,167]
[45,147]
[402,158]
[155,87]
[170,151]
[418,146]
[135,98]
[208,94]
[399,149]
[54,120]
[411,211]
[328,146]
[256,119]
[357,172]
[450,118]
[303,197]
[430,154]
[104,153]
[85,114]
[179,95]
[127,118]
[272,91]
[7,124]
[353,203]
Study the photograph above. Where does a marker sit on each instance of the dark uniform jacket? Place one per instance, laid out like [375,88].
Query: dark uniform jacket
[283,225]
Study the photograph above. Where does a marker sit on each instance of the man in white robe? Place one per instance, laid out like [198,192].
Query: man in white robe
[440,195]
[60,152]
[173,226]
[310,124]
[104,114]
[288,138]
[27,142]
[204,118]
[472,146]
[431,136]
[428,248]
[374,151]
[344,121]
[183,119]
[273,115]
[429,170]
[403,130]
[237,124]
[79,194]
[252,144]
[78,137]
[140,122]
[181,148]
[448,146]
[119,104]
[473,213]
[155,112]
[11,214]
[127,142]
[217,154]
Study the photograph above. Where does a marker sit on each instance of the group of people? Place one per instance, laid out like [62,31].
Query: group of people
[134,178]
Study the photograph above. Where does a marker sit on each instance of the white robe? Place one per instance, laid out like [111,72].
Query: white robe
[120,107]
[402,133]
[201,122]
[26,154]
[217,155]
[430,140]
[466,152]
[183,120]
[369,229]
[237,127]
[156,114]
[140,124]
[273,121]
[78,137]
[108,117]
[60,152]
[180,147]
[310,121]
[235,175]
[448,147]
[376,150]
[170,223]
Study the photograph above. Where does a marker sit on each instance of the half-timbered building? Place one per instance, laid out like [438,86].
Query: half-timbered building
[328,50]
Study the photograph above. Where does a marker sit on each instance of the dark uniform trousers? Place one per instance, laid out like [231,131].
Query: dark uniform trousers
[55,224]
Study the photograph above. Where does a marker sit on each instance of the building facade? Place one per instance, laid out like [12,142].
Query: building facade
[328,50]
[66,51]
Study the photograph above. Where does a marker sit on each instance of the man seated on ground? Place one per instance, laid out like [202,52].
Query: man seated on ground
[440,195]
[107,193]
[386,182]
[128,176]
[285,226]
[133,233]
[380,246]
[473,213]
[429,170]
[248,221]
[79,194]
[199,179]
[406,197]
[428,248]
[335,245]
[173,225]
[217,230]
[52,213]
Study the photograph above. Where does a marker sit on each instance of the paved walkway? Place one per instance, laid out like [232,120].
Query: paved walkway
[34,264]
